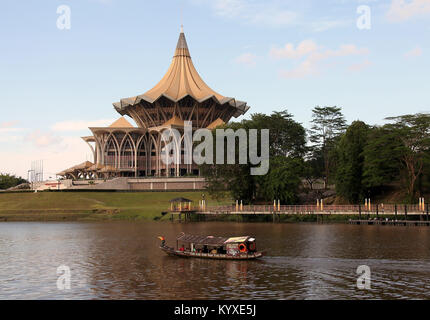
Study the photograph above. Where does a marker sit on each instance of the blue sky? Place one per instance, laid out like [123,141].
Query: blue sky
[274,54]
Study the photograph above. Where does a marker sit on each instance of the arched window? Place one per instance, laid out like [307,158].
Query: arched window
[141,155]
[127,155]
[111,153]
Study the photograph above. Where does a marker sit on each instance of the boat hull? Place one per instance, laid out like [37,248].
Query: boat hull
[172,252]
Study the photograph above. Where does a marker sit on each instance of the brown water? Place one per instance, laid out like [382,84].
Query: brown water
[121,260]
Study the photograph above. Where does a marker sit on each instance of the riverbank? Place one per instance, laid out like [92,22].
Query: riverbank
[104,206]
[299,218]
[90,206]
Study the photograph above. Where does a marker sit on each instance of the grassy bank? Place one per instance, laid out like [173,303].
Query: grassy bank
[78,206]
[93,206]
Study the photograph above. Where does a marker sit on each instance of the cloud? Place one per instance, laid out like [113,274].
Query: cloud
[306,68]
[8,130]
[268,13]
[401,10]
[248,59]
[291,52]
[69,152]
[324,25]
[57,150]
[357,67]
[415,52]
[8,139]
[313,55]
[43,139]
[272,13]
[8,124]
[105,2]
[79,125]
[314,52]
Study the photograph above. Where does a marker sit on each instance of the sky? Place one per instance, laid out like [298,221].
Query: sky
[61,70]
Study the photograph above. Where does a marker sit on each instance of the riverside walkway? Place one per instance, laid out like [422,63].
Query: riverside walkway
[377,214]
[378,209]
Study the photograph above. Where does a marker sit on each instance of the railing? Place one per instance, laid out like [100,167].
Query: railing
[184,209]
[382,209]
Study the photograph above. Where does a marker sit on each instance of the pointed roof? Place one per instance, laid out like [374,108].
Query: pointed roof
[182,78]
[83,165]
[121,123]
[175,121]
[218,122]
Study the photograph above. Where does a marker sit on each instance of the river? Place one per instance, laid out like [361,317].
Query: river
[121,260]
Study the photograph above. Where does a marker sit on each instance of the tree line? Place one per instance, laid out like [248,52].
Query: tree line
[8,181]
[359,159]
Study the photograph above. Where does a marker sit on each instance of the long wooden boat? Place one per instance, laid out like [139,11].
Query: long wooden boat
[209,247]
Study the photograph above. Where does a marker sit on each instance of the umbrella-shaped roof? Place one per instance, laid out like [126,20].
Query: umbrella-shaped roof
[182,80]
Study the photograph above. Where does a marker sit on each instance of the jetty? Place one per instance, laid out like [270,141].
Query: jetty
[377,214]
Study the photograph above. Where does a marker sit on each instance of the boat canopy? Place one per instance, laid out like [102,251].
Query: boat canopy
[210,240]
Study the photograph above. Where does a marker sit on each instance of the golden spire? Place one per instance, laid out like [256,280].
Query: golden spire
[182,78]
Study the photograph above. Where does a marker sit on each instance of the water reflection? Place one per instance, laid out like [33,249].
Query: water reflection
[121,260]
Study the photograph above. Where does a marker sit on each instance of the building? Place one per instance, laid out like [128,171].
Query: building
[127,151]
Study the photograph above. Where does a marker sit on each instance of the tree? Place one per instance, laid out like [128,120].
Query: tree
[287,147]
[283,180]
[349,174]
[287,137]
[381,159]
[9,181]
[397,149]
[328,123]
[413,131]
[313,168]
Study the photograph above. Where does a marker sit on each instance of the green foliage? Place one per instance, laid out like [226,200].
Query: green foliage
[313,168]
[413,132]
[399,151]
[8,181]
[381,158]
[328,123]
[287,147]
[287,137]
[349,175]
[283,180]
